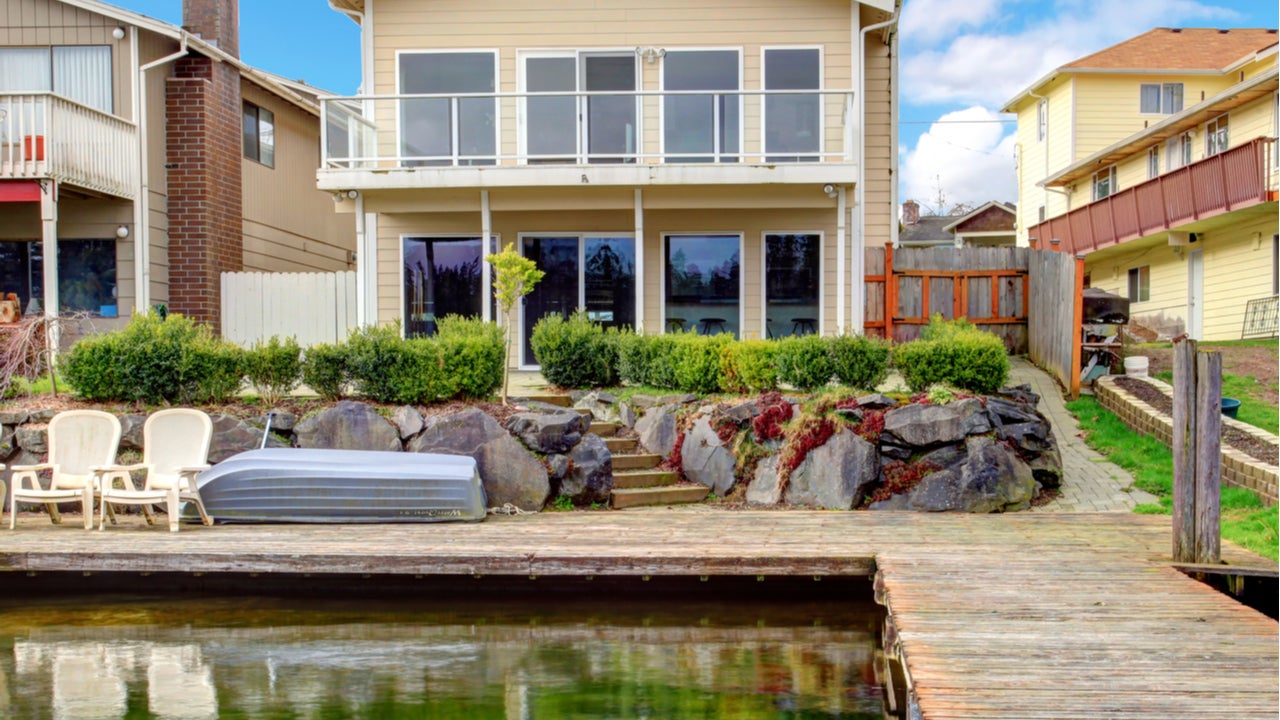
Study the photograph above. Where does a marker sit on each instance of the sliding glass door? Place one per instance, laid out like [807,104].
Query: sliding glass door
[574,128]
[448,130]
[701,128]
[593,273]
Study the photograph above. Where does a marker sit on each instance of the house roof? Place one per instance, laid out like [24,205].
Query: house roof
[271,83]
[929,230]
[991,205]
[357,6]
[1179,49]
[1233,97]
[1185,51]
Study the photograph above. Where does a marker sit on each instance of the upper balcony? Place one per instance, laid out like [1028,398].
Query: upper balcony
[1235,179]
[632,138]
[47,136]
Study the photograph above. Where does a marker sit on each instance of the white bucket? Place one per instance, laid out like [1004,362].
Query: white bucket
[1136,366]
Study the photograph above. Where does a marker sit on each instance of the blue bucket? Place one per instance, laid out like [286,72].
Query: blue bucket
[1230,406]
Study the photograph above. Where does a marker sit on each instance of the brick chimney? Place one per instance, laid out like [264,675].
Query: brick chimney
[215,21]
[204,150]
[910,212]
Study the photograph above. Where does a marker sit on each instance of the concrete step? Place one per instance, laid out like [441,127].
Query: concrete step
[673,495]
[640,461]
[604,429]
[620,445]
[631,479]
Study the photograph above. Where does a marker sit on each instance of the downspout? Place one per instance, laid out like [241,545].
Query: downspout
[142,204]
[859,279]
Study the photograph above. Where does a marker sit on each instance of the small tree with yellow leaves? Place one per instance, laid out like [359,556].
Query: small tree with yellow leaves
[513,278]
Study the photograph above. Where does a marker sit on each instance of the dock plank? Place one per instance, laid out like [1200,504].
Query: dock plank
[1005,616]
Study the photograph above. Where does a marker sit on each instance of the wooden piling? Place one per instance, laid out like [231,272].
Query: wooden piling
[1184,448]
[1208,476]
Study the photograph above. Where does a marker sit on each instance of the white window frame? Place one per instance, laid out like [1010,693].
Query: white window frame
[495,246]
[1109,174]
[1135,273]
[1153,162]
[822,103]
[662,272]
[764,266]
[454,138]
[662,101]
[521,340]
[1042,120]
[1217,135]
[1177,152]
[1161,109]
[522,107]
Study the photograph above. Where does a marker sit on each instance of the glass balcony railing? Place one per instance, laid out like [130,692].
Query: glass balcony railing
[43,135]
[587,128]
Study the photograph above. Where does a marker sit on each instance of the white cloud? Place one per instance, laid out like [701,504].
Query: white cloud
[932,20]
[966,155]
[991,67]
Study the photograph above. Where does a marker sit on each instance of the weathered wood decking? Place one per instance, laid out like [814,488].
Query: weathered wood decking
[1008,616]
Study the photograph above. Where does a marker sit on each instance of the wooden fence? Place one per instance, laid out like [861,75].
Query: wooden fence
[1029,298]
[310,307]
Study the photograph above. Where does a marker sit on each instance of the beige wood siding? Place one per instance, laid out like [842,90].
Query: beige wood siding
[153,47]
[35,23]
[289,225]
[880,213]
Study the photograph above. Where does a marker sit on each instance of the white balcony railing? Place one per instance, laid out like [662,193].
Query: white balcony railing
[762,127]
[43,135]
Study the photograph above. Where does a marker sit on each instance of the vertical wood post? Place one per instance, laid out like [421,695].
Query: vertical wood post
[1208,456]
[1184,448]
[890,292]
[1077,327]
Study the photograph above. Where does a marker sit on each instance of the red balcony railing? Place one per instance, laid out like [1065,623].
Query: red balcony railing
[1232,180]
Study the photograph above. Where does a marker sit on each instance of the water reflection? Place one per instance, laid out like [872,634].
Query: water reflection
[264,659]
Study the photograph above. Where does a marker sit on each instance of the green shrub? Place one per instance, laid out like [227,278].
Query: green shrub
[647,359]
[378,360]
[574,352]
[804,362]
[968,359]
[859,361]
[156,361]
[749,366]
[274,367]
[696,361]
[940,328]
[472,353]
[324,370]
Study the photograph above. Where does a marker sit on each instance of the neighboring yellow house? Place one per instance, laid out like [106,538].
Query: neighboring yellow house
[1156,159]
[717,166]
[153,160]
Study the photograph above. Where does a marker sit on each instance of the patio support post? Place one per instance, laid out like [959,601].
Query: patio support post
[842,235]
[640,273]
[486,270]
[49,238]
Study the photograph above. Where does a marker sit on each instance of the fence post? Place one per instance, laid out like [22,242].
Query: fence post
[1184,450]
[1077,327]
[890,292]
[1208,456]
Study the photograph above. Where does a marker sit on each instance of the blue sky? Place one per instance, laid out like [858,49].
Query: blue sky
[961,60]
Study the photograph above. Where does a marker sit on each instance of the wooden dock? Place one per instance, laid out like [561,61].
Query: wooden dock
[1000,616]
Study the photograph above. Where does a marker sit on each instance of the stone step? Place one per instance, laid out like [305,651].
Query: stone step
[639,461]
[604,429]
[631,479]
[620,445]
[673,495]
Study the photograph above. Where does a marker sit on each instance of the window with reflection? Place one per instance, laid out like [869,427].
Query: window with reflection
[595,274]
[86,274]
[449,130]
[701,128]
[702,287]
[791,283]
[442,276]
[792,122]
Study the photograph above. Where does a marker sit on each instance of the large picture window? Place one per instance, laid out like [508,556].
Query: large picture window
[86,274]
[792,122]
[791,284]
[701,128]
[77,72]
[448,130]
[442,276]
[702,288]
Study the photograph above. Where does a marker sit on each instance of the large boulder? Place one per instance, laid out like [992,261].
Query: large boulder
[705,459]
[232,436]
[348,425]
[835,475]
[131,431]
[32,438]
[408,421]
[509,472]
[589,478]
[1046,466]
[924,425]
[549,432]
[973,416]
[763,489]
[657,429]
[601,404]
[7,444]
[991,479]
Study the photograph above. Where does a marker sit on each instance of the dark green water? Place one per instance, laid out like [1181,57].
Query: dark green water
[290,659]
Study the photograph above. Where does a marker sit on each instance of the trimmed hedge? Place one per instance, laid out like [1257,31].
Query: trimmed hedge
[274,368]
[859,361]
[575,352]
[805,362]
[324,369]
[958,355]
[461,360]
[749,366]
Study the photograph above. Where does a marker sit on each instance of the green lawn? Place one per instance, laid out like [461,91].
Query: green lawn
[1253,408]
[1246,521]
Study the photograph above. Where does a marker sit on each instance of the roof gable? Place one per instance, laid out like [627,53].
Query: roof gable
[991,217]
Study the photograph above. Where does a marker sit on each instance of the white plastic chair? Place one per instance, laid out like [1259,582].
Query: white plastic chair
[79,441]
[175,448]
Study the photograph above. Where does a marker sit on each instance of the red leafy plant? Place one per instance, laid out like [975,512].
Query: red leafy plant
[900,477]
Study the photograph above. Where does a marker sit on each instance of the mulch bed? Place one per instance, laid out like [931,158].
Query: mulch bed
[1242,441]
